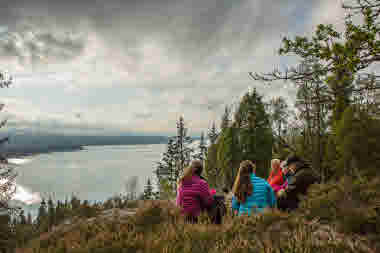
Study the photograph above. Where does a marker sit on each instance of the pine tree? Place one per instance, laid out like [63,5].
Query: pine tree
[29,219]
[7,173]
[357,144]
[255,132]
[182,143]
[51,212]
[42,218]
[166,168]
[7,234]
[202,149]
[213,134]
[148,191]
[229,155]
[212,171]
[279,114]
[22,218]
[226,121]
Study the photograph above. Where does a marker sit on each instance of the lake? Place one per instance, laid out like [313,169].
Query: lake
[95,173]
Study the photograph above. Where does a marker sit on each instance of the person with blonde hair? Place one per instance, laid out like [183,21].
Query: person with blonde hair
[193,193]
[251,193]
[276,178]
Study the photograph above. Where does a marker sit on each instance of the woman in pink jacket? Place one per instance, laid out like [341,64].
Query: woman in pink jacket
[193,193]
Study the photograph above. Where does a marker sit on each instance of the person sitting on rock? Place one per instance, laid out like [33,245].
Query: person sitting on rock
[251,193]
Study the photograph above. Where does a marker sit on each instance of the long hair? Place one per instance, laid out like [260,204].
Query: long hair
[243,186]
[195,167]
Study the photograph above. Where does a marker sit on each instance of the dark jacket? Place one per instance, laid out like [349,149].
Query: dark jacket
[298,184]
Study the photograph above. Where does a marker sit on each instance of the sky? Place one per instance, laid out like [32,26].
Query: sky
[135,66]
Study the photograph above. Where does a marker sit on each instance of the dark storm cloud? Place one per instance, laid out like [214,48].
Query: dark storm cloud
[189,56]
[191,30]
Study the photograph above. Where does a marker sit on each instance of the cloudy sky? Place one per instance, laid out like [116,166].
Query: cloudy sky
[135,66]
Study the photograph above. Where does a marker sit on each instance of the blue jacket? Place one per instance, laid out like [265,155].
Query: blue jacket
[262,197]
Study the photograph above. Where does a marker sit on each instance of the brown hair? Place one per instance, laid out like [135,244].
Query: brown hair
[243,186]
[195,167]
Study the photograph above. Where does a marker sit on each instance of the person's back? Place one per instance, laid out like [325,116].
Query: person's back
[261,198]
[251,193]
[194,196]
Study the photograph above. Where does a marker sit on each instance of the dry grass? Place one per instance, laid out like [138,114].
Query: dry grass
[158,227]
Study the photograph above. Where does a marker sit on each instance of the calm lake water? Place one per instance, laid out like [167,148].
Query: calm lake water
[95,173]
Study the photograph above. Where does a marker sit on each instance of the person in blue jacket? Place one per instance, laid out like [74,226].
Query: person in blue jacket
[251,193]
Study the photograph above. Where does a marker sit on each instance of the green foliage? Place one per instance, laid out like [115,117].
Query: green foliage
[212,171]
[226,119]
[166,190]
[148,191]
[351,205]
[358,147]
[229,155]
[255,131]
[213,134]
[202,149]
[177,156]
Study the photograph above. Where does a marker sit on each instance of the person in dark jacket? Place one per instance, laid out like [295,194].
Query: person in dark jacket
[300,177]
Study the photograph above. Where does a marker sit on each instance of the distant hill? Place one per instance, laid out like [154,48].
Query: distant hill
[27,143]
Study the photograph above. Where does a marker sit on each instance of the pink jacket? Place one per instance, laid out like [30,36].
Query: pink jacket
[193,196]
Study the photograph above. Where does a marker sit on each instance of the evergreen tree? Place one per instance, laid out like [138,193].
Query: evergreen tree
[202,149]
[279,114]
[357,143]
[42,218]
[148,191]
[7,234]
[213,134]
[229,155]
[166,168]
[226,119]
[255,131]
[60,212]
[184,151]
[51,212]
[22,218]
[131,186]
[212,172]
[29,219]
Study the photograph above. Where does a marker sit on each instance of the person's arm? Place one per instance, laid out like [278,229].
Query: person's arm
[204,193]
[179,196]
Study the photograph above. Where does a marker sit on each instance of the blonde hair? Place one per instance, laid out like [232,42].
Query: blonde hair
[243,186]
[189,171]
[275,161]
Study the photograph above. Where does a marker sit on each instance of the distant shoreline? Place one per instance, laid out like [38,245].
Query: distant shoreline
[27,145]
[21,155]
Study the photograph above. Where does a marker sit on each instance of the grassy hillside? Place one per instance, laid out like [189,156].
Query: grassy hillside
[342,217]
